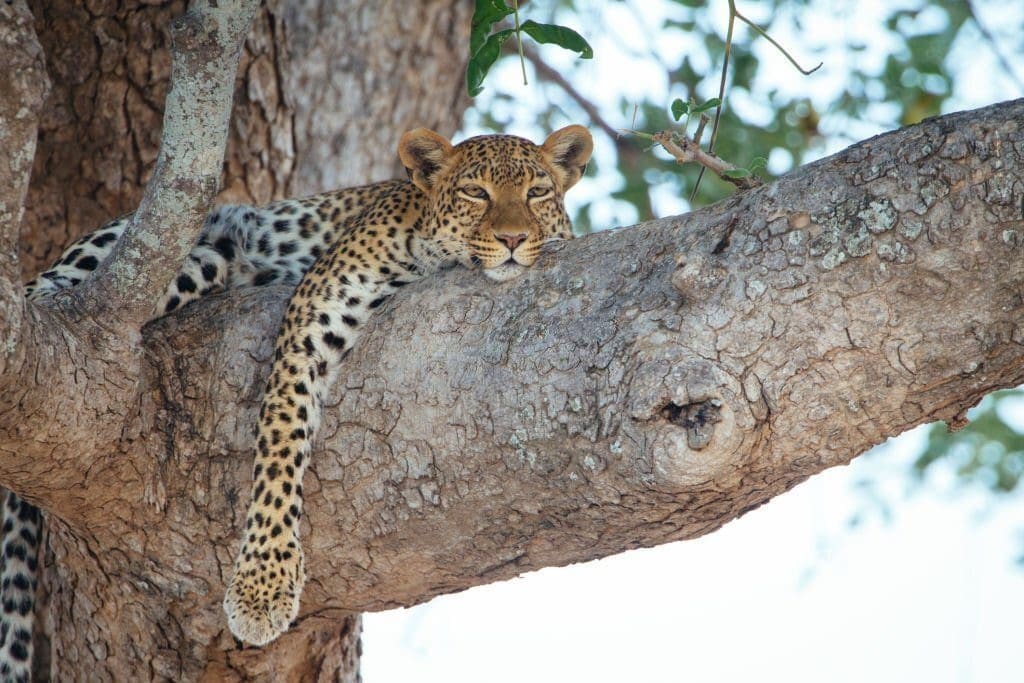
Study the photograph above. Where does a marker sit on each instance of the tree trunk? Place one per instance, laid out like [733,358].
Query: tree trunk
[322,91]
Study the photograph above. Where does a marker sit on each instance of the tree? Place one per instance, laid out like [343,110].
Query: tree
[639,387]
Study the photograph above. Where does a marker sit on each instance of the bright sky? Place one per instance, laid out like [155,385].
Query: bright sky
[790,592]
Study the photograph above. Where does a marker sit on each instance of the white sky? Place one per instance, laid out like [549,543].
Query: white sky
[789,592]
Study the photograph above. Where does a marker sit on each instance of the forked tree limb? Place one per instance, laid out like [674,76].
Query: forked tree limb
[85,342]
[205,45]
[636,387]
[640,386]
[782,331]
[75,375]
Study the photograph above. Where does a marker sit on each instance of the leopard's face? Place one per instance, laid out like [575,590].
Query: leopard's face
[495,200]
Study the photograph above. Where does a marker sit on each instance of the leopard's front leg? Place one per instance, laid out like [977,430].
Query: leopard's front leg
[263,596]
[323,320]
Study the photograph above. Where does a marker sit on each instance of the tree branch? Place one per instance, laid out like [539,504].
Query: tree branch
[84,342]
[686,150]
[22,92]
[205,45]
[642,386]
[651,384]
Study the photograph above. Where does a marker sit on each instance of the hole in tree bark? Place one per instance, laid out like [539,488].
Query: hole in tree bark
[698,419]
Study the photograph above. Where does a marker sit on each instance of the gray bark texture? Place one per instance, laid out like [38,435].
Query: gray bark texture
[205,46]
[22,94]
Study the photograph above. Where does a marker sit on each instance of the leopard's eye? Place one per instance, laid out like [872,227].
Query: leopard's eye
[474,192]
[539,191]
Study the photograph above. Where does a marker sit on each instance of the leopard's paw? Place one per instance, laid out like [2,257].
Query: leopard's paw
[262,599]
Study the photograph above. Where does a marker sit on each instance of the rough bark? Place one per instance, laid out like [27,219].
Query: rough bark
[642,386]
[638,387]
[205,45]
[98,144]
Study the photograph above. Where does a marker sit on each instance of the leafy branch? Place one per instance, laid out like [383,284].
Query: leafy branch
[735,14]
[485,47]
[687,149]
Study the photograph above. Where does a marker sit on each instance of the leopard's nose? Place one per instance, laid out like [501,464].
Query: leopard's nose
[511,239]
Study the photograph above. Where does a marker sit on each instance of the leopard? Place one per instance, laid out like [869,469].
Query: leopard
[489,203]
[492,202]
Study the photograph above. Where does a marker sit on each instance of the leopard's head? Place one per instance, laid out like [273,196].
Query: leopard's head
[496,199]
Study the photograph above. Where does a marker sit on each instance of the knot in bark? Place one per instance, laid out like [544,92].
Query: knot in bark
[688,409]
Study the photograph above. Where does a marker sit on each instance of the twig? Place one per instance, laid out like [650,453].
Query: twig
[519,40]
[699,133]
[734,14]
[764,34]
[687,151]
[721,94]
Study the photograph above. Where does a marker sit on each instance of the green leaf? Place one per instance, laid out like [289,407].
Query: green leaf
[758,164]
[736,173]
[559,35]
[710,104]
[486,14]
[679,109]
[481,62]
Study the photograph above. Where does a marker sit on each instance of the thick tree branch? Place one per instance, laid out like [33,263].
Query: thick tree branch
[205,44]
[651,384]
[638,387]
[641,386]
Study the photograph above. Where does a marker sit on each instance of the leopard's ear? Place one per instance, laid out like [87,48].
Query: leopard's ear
[568,149]
[424,153]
